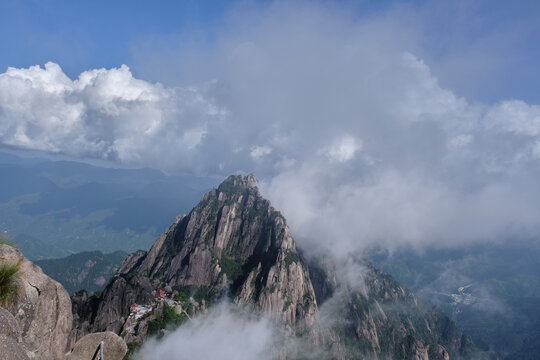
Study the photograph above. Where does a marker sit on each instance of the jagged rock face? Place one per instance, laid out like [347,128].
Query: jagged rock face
[233,241]
[42,309]
[234,234]
[380,318]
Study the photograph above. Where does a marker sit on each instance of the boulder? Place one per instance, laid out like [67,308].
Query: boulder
[114,347]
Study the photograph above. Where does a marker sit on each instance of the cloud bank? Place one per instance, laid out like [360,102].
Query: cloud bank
[223,333]
[228,332]
[105,114]
[352,135]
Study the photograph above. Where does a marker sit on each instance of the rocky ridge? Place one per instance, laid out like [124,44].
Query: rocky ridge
[376,317]
[235,244]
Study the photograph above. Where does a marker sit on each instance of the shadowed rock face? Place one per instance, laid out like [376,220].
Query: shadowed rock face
[234,243]
[42,309]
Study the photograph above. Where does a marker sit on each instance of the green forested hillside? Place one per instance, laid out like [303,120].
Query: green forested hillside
[86,270]
[57,208]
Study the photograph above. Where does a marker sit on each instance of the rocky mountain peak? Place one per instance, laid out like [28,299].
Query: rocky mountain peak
[235,187]
[234,244]
[238,181]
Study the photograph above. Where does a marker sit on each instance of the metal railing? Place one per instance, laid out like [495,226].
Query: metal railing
[99,352]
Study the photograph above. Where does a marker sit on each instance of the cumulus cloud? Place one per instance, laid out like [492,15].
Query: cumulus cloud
[352,135]
[106,114]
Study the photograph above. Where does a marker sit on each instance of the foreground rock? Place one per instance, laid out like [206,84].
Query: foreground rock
[10,337]
[114,347]
[42,309]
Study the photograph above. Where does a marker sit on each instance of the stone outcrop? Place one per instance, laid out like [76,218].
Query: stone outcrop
[235,244]
[42,309]
[114,347]
[10,337]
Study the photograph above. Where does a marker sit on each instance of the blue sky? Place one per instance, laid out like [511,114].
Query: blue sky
[411,121]
[87,34]
[484,50]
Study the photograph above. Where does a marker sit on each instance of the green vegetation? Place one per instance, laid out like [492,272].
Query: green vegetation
[230,185]
[307,302]
[51,206]
[259,210]
[291,257]
[287,304]
[231,267]
[198,293]
[204,293]
[184,292]
[169,318]
[132,346]
[99,268]
[9,283]
[4,239]
[253,280]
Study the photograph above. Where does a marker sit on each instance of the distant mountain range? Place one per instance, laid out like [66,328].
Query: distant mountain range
[56,208]
[90,270]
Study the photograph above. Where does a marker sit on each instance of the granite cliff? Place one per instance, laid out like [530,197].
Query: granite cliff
[235,245]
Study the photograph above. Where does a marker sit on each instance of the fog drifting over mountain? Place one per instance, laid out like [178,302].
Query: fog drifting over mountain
[347,128]
[230,335]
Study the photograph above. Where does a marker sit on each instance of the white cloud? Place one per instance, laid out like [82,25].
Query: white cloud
[404,160]
[343,150]
[260,151]
[461,140]
[104,114]
[514,117]
[227,332]
[223,333]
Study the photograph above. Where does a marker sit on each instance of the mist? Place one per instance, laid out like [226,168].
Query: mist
[231,335]
[344,123]
[227,331]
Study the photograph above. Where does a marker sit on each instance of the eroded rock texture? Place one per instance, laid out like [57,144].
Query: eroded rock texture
[42,309]
[235,244]
[114,348]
